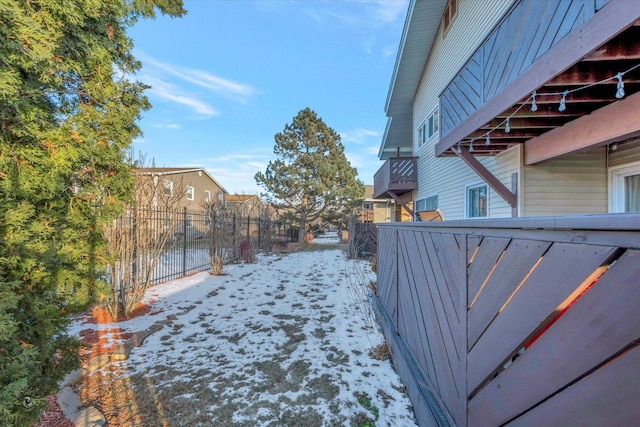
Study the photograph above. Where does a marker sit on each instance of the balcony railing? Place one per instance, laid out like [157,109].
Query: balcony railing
[398,174]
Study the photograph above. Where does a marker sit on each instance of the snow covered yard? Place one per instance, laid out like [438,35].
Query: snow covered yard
[282,342]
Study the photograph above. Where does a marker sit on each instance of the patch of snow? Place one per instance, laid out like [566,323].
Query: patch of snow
[289,334]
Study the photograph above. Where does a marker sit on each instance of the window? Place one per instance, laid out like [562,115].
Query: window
[189,220]
[429,128]
[625,188]
[367,206]
[449,14]
[476,201]
[168,188]
[190,192]
[207,195]
[220,196]
[427,204]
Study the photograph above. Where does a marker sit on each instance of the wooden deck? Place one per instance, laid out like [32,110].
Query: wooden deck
[530,321]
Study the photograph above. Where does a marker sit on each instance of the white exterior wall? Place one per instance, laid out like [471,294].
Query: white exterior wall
[574,184]
[447,177]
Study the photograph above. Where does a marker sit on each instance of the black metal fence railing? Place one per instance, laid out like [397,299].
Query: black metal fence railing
[185,242]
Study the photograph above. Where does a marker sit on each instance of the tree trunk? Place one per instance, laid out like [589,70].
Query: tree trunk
[301,230]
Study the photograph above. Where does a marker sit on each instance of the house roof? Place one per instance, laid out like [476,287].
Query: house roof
[420,29]
[177,171]
[231,198]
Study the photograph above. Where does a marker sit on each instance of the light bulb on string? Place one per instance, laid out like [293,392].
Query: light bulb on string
[458,150]
[563,104]
[487,141]
[620,91]
[471,147]
[534,106]
[507,127]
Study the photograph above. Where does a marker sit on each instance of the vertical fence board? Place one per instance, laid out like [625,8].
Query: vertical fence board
[563,268]
[571,347]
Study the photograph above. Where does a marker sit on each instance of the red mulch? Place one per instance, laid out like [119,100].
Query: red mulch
[53,417]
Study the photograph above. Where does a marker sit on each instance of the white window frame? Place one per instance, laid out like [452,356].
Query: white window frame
[429,128]
[207,195]
[472,186]
[616,184]
[191,192]
[168,185]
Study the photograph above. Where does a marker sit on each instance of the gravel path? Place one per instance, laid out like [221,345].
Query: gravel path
[282,342]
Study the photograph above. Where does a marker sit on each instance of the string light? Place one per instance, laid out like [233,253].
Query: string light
[620,93]
[563,101]
[534,106]
[620,90]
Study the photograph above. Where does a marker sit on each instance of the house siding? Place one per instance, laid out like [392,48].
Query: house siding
[200,182]
[574,184]
[447,177]
[626,153]
[474,21]
[506,164]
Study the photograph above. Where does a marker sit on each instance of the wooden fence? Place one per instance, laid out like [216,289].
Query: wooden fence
[530,321]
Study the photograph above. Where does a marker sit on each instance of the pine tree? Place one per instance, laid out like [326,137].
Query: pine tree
[67,116]
[311,175]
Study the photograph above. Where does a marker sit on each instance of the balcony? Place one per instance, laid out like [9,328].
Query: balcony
[398,175]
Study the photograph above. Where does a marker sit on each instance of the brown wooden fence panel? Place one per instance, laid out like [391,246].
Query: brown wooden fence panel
[607,397]
[570,348]
[524,321]
[563,268]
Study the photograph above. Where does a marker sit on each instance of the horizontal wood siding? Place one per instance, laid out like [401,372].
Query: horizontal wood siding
[465,297]
[526,33]
[625,153]
[574,184]
[506,164]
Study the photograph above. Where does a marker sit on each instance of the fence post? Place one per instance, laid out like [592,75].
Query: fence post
[248,228]
[184,241]
[233,248]
[259,232]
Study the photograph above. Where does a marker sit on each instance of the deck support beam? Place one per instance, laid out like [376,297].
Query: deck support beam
[400,202]
[616,122]
[487,176]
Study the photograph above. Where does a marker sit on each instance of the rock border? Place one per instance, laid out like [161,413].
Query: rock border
[70,403]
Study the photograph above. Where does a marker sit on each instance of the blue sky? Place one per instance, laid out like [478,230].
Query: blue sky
[231,74]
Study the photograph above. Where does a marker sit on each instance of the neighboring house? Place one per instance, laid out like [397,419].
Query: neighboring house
[376,210]
[246,205]
[196,185]
[515,108]
[190,188]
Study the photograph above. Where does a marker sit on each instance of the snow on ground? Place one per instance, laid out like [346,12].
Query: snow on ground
[282,342]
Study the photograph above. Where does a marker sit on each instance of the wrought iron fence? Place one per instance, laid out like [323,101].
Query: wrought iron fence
[189,239]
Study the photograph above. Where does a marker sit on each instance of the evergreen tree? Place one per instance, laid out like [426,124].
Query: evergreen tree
[311,175]
[67,116]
